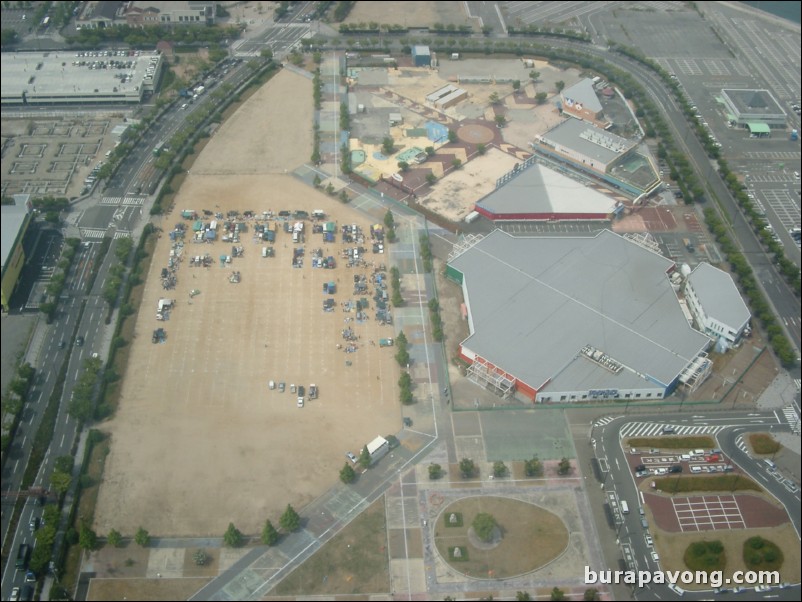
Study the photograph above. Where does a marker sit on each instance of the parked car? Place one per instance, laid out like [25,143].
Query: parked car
[281,386]
[271,385]
[312,391]
[352,457]
[292,388]
[14,597]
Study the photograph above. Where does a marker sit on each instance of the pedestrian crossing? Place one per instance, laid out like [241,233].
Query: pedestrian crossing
[651,429]
[605,420]
[131,201]
[122,234]
[792,417]
[93,232]
[798,383]
[740,443]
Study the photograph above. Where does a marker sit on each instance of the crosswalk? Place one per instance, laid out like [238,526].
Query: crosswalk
[605,420]
[93,232]
[650,429]
[740,443]
[792,417]
[135,201]
[122,234]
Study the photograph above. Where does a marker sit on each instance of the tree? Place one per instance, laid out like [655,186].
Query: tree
[60,482]
[347,474]
[233,536]
[559,85]
[343,196]
[87,538]
[431,178]
[541,97]
[484,525]
[557,594]
[114,538]
[591,594]
[403,166]
[430,151]
[435,471]
[522,596]
[499,469]
[316,181]
[142,537]
[516,85]
[494,98]
[364,458]
[266,53]
[533,75]
[467,468]
[452,136]
[533,467]
[290,521]
[269,534]
[389,220]
[481,148]
[564,467]
[200,557]
[501,120]
[388,146]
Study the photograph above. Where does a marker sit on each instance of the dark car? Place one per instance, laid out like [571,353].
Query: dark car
[668,430]
[640,467]
[79,341]
[675,469]
[407,421]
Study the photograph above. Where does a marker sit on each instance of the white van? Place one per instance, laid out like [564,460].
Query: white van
[264,251]
[770,464]
[295,237]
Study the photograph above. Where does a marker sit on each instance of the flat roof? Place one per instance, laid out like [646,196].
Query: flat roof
[719,296]
[536,302]
[421,50]
[753,102]
[13,217]
[588,140]
[540,189]
[58,77]
[582,93]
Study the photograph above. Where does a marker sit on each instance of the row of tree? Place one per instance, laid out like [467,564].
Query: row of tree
[395,285]
[532,468]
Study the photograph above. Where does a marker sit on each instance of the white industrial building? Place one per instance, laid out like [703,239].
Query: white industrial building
[716,304]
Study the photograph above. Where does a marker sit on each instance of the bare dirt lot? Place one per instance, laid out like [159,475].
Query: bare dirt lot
[199,440]
[455,195]
[410,14]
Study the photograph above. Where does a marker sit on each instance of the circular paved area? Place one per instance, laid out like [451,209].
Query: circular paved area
[475,134]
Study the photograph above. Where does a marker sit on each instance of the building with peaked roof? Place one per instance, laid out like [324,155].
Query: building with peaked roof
[750,106]
[573,319]
[716,304]
[581,101]
[541,193]
[15,221]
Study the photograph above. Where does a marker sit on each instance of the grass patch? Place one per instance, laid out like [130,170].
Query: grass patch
[705,556]
[669,442]
[762,555]
[763,443]
[729,482]
[456,522]
[462,556]
[355,561]
[531,537]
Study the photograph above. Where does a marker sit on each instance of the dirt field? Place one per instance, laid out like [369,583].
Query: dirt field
[199,440]
[411,14]
[455,195]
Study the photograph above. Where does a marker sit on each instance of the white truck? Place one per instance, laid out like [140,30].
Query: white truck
[471,217]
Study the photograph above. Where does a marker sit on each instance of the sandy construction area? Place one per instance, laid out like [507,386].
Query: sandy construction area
[198,440]
[411,14]
[455,195]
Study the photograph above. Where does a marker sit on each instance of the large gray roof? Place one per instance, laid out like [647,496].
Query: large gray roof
[588,139]
[535,302]
[757,103]
[583,93]
[540,189]
[718,295]
[13,217]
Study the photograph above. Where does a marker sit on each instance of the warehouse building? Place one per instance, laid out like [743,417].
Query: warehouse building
[78,78]
[15,221]
[716,304]
[602,154]
[421,56]
[541,193]
[752,108]
[574,319]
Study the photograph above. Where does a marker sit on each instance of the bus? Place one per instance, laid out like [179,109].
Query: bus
[157,150]
[624,507]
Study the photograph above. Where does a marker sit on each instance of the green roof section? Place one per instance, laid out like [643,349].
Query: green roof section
[755,127]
